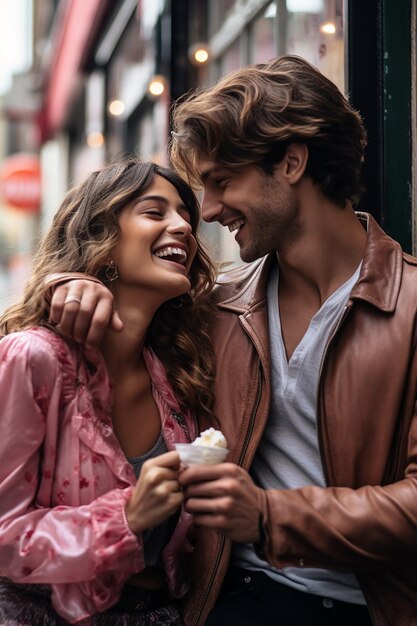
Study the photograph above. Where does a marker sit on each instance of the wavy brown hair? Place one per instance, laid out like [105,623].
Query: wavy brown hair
[84,231]
[253,114]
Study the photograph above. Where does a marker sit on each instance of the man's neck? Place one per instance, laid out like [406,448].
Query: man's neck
[330,250]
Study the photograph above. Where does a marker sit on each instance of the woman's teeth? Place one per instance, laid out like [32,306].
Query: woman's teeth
[170,251]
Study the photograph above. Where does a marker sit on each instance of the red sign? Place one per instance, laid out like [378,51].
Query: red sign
[20,181]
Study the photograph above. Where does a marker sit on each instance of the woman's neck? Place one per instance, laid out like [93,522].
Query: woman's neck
[122,351]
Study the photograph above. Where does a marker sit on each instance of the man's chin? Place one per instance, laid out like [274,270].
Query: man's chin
[249,255]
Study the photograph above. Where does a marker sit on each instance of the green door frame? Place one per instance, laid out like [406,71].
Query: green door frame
[396,150]
[379,84]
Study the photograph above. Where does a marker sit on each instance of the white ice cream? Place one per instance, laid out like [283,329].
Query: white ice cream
[212,438]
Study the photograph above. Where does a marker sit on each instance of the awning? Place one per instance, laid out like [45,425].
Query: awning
[74,33]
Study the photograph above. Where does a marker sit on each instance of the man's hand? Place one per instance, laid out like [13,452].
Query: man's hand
[89,310]
[223,497]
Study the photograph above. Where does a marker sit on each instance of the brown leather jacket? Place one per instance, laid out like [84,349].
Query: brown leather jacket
[366,519]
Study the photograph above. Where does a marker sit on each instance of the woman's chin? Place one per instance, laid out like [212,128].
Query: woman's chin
[173,294]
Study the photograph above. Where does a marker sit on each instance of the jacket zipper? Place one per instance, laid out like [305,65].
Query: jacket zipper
[319,420]
[212,577]
[242,456]
[392,476]
[253,414]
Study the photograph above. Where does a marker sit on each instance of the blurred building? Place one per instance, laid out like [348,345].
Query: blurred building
[106,72]
[20,102]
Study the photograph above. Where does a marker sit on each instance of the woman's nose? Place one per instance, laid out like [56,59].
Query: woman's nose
[179,225]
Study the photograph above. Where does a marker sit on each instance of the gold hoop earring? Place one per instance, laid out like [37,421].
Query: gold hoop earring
[111,272]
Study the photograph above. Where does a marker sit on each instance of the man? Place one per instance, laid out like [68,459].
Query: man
[314,519]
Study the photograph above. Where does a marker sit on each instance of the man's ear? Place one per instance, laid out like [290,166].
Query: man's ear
[295,162]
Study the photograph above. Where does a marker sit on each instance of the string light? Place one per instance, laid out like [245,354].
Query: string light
[329,28]
[199,53]
[95,139]
[156,86]
[116,107]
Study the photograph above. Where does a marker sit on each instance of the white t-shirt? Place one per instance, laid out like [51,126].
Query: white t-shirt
[288,456]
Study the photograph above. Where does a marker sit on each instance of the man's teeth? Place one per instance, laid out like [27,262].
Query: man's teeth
[169,251]
[235,225]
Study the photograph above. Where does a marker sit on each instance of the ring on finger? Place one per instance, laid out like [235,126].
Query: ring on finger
[72,299]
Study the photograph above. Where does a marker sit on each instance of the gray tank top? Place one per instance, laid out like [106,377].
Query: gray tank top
[154,539]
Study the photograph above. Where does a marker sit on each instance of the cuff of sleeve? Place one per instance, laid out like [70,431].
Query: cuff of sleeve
[260,546]
[53,280]
[116,546]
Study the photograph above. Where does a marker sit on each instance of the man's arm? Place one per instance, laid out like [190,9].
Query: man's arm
[81,307]
[333,527]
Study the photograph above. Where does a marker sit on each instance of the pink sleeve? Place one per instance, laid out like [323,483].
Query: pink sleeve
[87,552]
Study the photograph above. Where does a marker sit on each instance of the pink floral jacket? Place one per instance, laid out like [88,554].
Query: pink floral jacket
[64,480]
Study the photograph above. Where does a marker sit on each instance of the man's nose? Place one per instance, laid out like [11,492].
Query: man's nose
[211,207]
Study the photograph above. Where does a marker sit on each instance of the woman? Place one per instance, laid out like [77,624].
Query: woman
[91,525]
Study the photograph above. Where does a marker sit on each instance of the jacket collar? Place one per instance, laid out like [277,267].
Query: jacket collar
[379,280]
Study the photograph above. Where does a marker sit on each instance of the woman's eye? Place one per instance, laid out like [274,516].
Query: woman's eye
[153,212]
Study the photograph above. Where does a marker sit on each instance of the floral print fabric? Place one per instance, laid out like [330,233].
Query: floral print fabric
[64,480]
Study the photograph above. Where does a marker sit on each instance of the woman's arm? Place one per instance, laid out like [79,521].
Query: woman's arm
[86,553]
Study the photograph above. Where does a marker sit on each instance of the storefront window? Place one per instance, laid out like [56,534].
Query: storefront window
[131,68]
[262,35]
[148,132]
[132,64]
[231,60]
[315,31]
[218,11]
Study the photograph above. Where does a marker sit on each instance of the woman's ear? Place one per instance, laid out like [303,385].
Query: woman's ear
[295,162]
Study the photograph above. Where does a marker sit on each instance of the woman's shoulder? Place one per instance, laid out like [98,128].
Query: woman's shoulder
[37,346]
[35,336]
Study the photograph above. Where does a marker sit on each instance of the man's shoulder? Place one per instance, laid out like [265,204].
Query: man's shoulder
[241,272]
[409,259]
[231,281]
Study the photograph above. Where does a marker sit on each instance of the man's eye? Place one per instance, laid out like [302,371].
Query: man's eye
[221,182]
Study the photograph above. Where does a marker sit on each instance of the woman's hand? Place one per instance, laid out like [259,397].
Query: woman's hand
[157,493]
[82,310]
